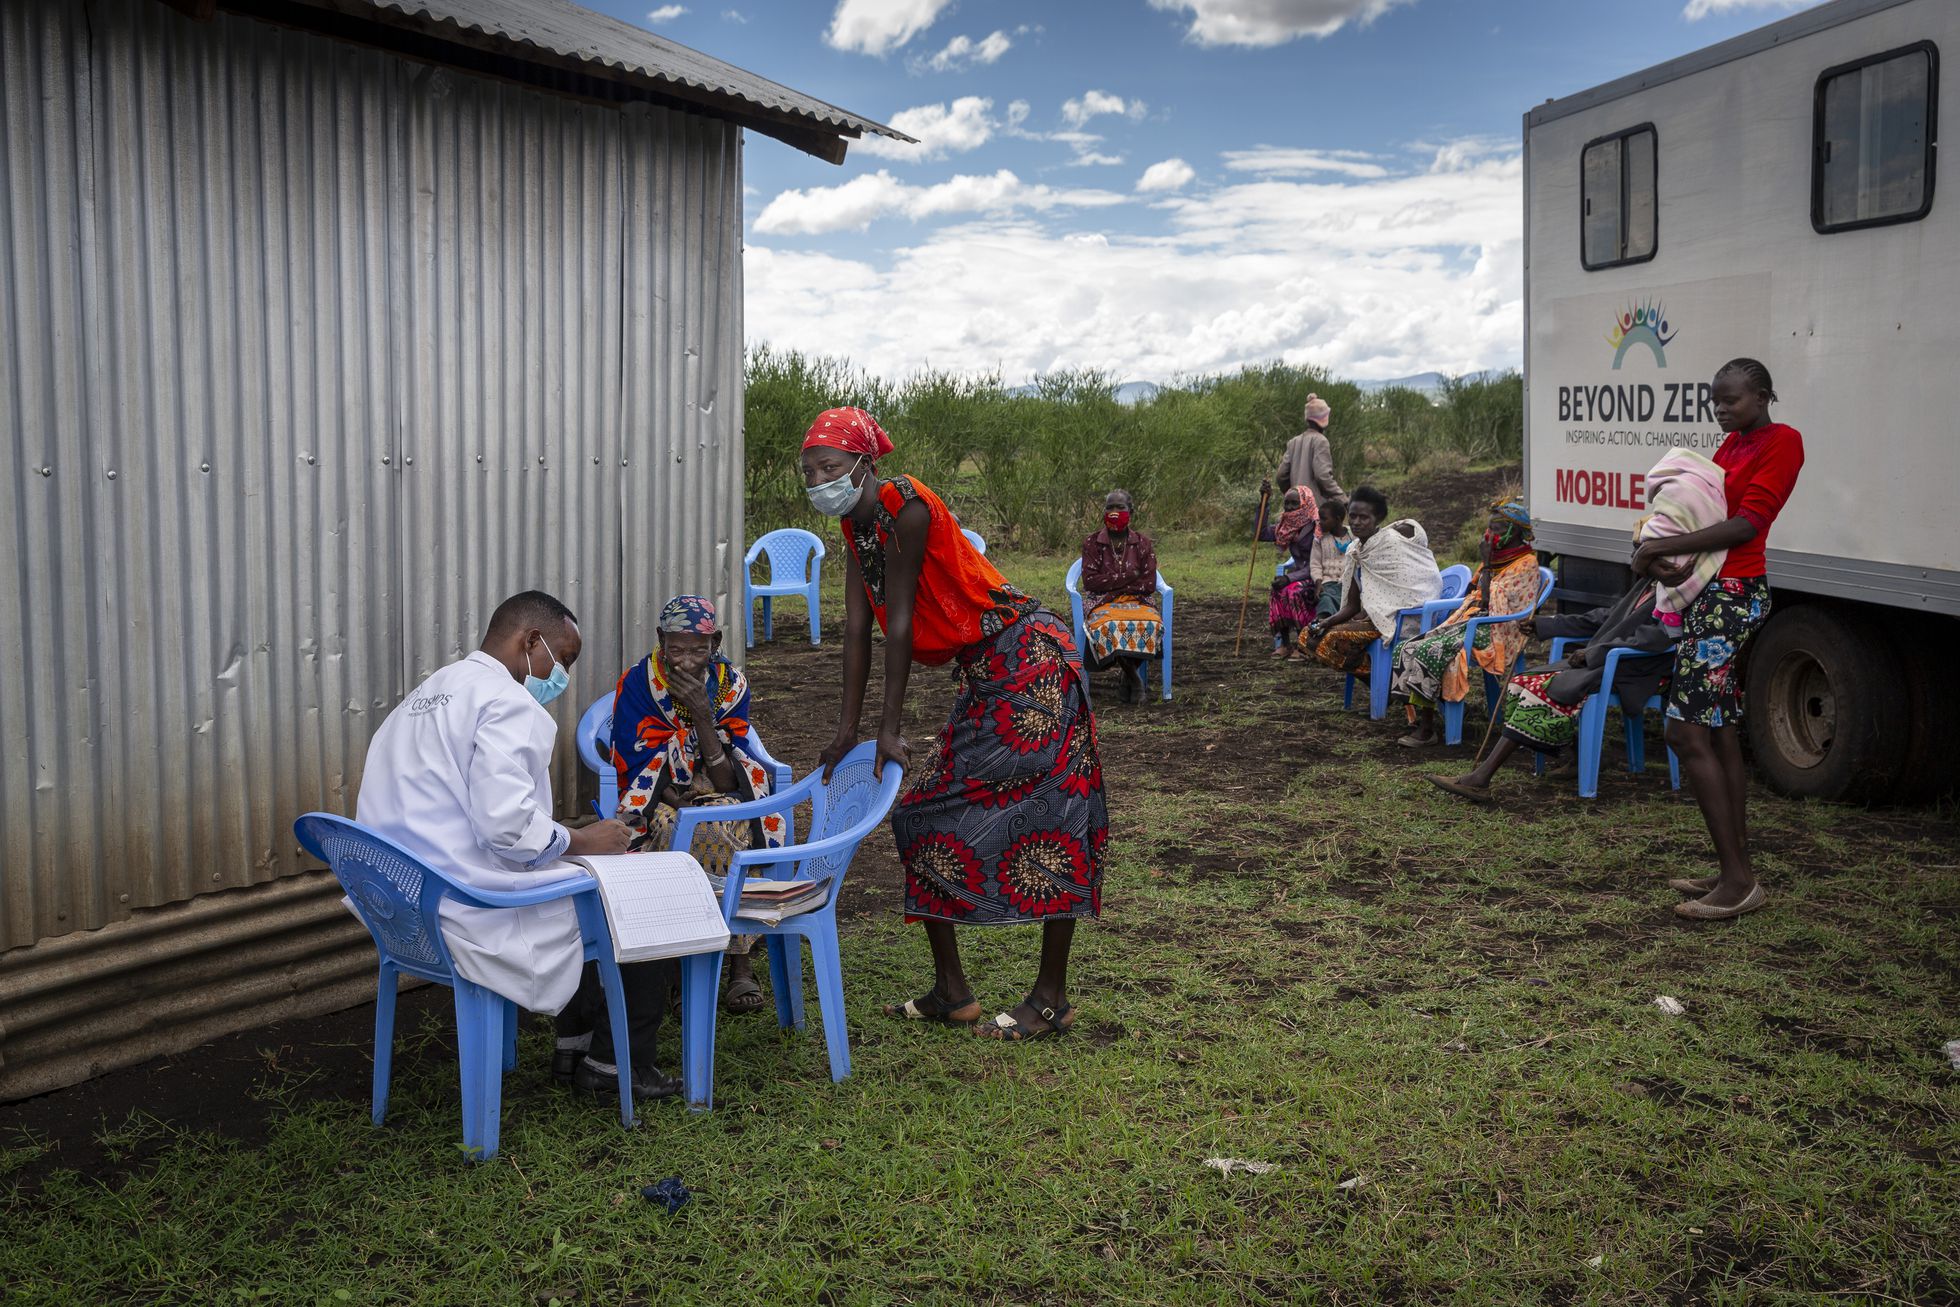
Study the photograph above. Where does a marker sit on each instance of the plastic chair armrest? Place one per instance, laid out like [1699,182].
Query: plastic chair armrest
[1562,643]
[755,552]
[768,805]
[564,887]
[1164,587]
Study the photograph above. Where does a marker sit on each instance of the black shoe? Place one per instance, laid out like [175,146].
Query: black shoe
[565,1062]
[648,1084]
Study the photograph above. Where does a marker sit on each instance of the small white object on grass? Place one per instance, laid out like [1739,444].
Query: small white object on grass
[1952,1051]
[1352,1182]
[1230,1164]
[1671,1005]
[1596,1261]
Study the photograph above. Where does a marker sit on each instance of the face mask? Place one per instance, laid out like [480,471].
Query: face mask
[1117,519]
[546,688]
[836,498]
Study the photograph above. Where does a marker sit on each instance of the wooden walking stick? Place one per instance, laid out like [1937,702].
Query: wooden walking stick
[1502,690]
[1258,529]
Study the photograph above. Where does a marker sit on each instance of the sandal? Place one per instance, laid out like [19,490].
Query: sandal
[1698,910]
[1452,785]
[1007,1028]
[743,996]
[1415,741]
[930,1007]
[1693,886]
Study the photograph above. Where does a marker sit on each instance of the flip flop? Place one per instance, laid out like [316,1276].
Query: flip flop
[1697,910]
[1006,1027]
[1686,885]
[1452,785]
[930,1007]
[743,996]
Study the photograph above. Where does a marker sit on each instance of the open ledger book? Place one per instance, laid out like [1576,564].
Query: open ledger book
[659,905]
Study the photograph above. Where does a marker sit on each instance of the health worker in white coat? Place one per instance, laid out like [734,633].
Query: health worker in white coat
[460,775]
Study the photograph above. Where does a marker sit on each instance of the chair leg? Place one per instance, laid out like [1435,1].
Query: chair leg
[476,1060]
[768,618]
[826,961]
[510,1035]
[786,979]
[1452,715]
[748,620]
[1379,664]
[1592,739]
[700,990]
[384,1039]
[615,992]
[1347,694]
[816,617]
[1636,732]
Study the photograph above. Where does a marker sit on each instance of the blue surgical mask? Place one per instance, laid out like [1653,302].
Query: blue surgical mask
[836,498]
[546,688]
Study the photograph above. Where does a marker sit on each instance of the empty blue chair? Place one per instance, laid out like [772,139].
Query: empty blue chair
[1452,713]
[595,751]
[974,538]
[396,896]
[1381,653]
[842,813]
[795,569]
[1591,741]
[1164,592]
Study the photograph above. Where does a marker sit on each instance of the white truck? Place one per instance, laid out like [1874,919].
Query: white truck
[1770,197]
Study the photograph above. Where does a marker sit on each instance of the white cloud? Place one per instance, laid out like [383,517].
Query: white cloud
[735,16]
[1699,9]
[1420,269]
[1170,175]
[859,202]
[1274,22]
[1092,104]
[666,14]
[964,52]
[877,27]
[939,129]
[1017,112]
[1275,161]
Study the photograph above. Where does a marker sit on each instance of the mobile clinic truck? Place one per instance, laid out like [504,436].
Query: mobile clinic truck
[1770,197]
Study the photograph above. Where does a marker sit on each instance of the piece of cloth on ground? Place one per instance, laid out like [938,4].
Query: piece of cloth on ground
[1009,822]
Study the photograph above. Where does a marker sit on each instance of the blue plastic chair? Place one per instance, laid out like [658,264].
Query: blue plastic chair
[1164,592]
[974,538]
[595,751]
[795,569]
[1381,653]
[1452,713]
[396,896]
[1592,725]
[842,813]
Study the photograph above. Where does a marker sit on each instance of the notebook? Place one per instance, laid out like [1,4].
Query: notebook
[659,905]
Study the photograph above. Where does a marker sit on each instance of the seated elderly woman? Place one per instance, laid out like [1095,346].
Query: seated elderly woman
[1120,604]
[1434,668]
[680,738]
[1541,707]
[1291,609]
[1386,569]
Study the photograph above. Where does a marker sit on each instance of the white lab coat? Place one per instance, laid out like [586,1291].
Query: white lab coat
[460,776]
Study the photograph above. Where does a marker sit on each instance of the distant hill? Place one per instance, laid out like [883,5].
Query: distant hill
[1137,392]
[1429,383]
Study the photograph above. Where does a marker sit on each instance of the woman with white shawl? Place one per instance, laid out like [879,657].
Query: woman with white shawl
[1387,569]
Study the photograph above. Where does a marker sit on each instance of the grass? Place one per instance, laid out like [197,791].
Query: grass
[1436,1021]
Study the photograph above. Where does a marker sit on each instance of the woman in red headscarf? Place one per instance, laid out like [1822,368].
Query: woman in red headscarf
[1008,824]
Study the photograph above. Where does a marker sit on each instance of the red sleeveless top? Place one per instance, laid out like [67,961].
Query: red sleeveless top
[962,599]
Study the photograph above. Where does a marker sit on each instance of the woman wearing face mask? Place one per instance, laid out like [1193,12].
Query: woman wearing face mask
[680,738]
[1008,824]
[1122,612]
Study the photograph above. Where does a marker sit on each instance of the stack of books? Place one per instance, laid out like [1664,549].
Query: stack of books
[769,901]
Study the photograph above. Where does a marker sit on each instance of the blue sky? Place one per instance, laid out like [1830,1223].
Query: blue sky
[1163,188]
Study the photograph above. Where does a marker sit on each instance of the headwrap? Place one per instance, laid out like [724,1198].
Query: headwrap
[1513,541]
[689,615]
[850,429]
[1297,522]
[1317,410]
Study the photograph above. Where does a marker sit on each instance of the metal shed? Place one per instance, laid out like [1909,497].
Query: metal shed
[328,323]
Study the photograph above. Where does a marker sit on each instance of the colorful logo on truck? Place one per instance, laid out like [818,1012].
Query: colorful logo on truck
[1641,324]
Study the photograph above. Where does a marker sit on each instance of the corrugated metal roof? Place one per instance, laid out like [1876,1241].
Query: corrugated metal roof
[569,31]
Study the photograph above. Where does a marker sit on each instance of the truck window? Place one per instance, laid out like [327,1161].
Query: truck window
[1618,176]
[1872,140]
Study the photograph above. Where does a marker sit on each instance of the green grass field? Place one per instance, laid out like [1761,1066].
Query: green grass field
[1436,1023]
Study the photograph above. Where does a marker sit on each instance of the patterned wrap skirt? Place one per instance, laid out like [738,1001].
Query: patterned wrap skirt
[1009,825]
[1292,605]
[1422,665]
[1536,720]
[1122,628]
[1345,649]
[1707,689]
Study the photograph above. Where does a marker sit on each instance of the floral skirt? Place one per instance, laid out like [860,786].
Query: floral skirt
[1706,689]
[1008,825]
[1122,628]
[1292,605]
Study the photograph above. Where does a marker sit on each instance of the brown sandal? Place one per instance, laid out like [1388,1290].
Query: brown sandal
[930,1007]
[1451,785]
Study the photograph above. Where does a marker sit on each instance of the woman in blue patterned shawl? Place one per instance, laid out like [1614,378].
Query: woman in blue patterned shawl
[667,762]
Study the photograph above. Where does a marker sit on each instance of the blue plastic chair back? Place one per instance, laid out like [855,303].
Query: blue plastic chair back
[792,555]
[594,743]
[974,538]
[394,893]
[1456,582]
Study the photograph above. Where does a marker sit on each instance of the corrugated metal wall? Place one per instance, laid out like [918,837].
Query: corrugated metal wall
[313,355]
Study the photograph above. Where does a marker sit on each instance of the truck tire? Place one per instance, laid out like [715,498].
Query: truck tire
[1826,716]
[1932,764]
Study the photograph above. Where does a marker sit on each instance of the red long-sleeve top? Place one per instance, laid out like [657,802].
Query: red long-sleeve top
[1761,468]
